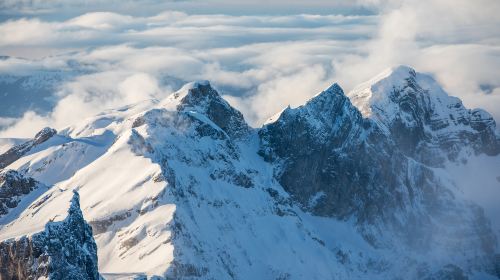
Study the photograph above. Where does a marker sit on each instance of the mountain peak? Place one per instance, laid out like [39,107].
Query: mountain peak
[202,98]
[18,151]
[328,115]
[381,94]
[403,69]
[326,99]
[199,94]
[395,76]
[415,109]
[196,85]
[328,93]
[44,134]
[334,88]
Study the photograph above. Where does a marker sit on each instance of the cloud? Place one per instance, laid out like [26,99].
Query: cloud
[173,46]
[27,126]
[102,21]
[269,97]
[260,62]
[88,95]
[456,41]
[26,31]
[179,29]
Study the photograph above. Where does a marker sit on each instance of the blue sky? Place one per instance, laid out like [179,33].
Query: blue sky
[262,55]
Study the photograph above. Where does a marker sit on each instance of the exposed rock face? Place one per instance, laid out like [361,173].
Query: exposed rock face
[349,166]
[426,123]
[352,169]
[205,100]
[64,250]
[18,151]
[13,186]
[44,135]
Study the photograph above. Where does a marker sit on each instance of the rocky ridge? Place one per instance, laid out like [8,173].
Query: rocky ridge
[20,150]
[64,250]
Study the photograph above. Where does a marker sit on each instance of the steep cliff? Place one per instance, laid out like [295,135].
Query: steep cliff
[63,250]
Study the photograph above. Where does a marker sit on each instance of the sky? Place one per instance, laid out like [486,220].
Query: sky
[261,55]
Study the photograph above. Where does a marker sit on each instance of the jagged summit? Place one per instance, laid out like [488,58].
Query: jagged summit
[327,99]
[198,95]
[323,103]
[192,93]
[333,89]
[329,96]
[202,98]
[399,73]
[423,119]
[327,115]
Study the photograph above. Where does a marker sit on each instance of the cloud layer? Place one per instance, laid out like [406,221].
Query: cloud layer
[262,63]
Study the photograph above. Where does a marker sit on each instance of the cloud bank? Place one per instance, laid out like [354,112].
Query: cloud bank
[260,62]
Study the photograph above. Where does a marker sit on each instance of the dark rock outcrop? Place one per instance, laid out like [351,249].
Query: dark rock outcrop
[336,163]
[20,150]
[349,166]
[13,186]
[205,100]
[64,250]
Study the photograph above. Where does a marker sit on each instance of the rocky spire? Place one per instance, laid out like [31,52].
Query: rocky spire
[64,250]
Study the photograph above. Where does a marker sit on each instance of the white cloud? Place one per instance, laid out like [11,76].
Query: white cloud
[27,126]
[101,20]
[260,62]
[456,41]
[26,31]
[282,90]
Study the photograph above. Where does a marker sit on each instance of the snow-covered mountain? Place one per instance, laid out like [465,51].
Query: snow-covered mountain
[423,120]
[356,186]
